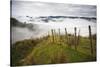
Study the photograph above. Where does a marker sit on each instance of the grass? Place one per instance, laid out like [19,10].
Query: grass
[21,49]
[44,51]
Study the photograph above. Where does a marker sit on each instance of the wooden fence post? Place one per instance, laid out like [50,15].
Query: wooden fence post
[52,35]
[55,35]
[90,37]
[66,35]
[75,41]
[59,35]
[78,39]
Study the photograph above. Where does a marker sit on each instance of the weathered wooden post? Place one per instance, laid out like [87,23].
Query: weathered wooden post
[59,36]
[66,35]
[75,41]
[90,37]
[78,39]
[52,35]
[55,35]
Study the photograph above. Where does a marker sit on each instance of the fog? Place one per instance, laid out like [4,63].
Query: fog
[42,29]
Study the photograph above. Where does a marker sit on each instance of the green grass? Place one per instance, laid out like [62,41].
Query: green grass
[84,46]
[20,50]
[43,51]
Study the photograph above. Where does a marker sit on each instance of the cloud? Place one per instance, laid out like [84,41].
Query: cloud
[23,8]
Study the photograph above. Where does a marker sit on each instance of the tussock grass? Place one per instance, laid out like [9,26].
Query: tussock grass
[44,51]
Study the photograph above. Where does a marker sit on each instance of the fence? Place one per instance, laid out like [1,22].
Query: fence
[69,39]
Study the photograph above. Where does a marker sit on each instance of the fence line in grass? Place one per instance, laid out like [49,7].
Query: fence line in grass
[56,37]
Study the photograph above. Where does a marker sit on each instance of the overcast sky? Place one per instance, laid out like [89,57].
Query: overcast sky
[29,8]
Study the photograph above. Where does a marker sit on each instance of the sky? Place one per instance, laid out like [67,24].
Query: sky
[34,9]
[90,2]
[29,8]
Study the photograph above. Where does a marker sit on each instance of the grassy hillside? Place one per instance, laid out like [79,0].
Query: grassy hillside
[46,51]
[16,23]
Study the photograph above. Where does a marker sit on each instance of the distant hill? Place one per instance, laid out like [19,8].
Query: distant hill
[53,18]
[15,23]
